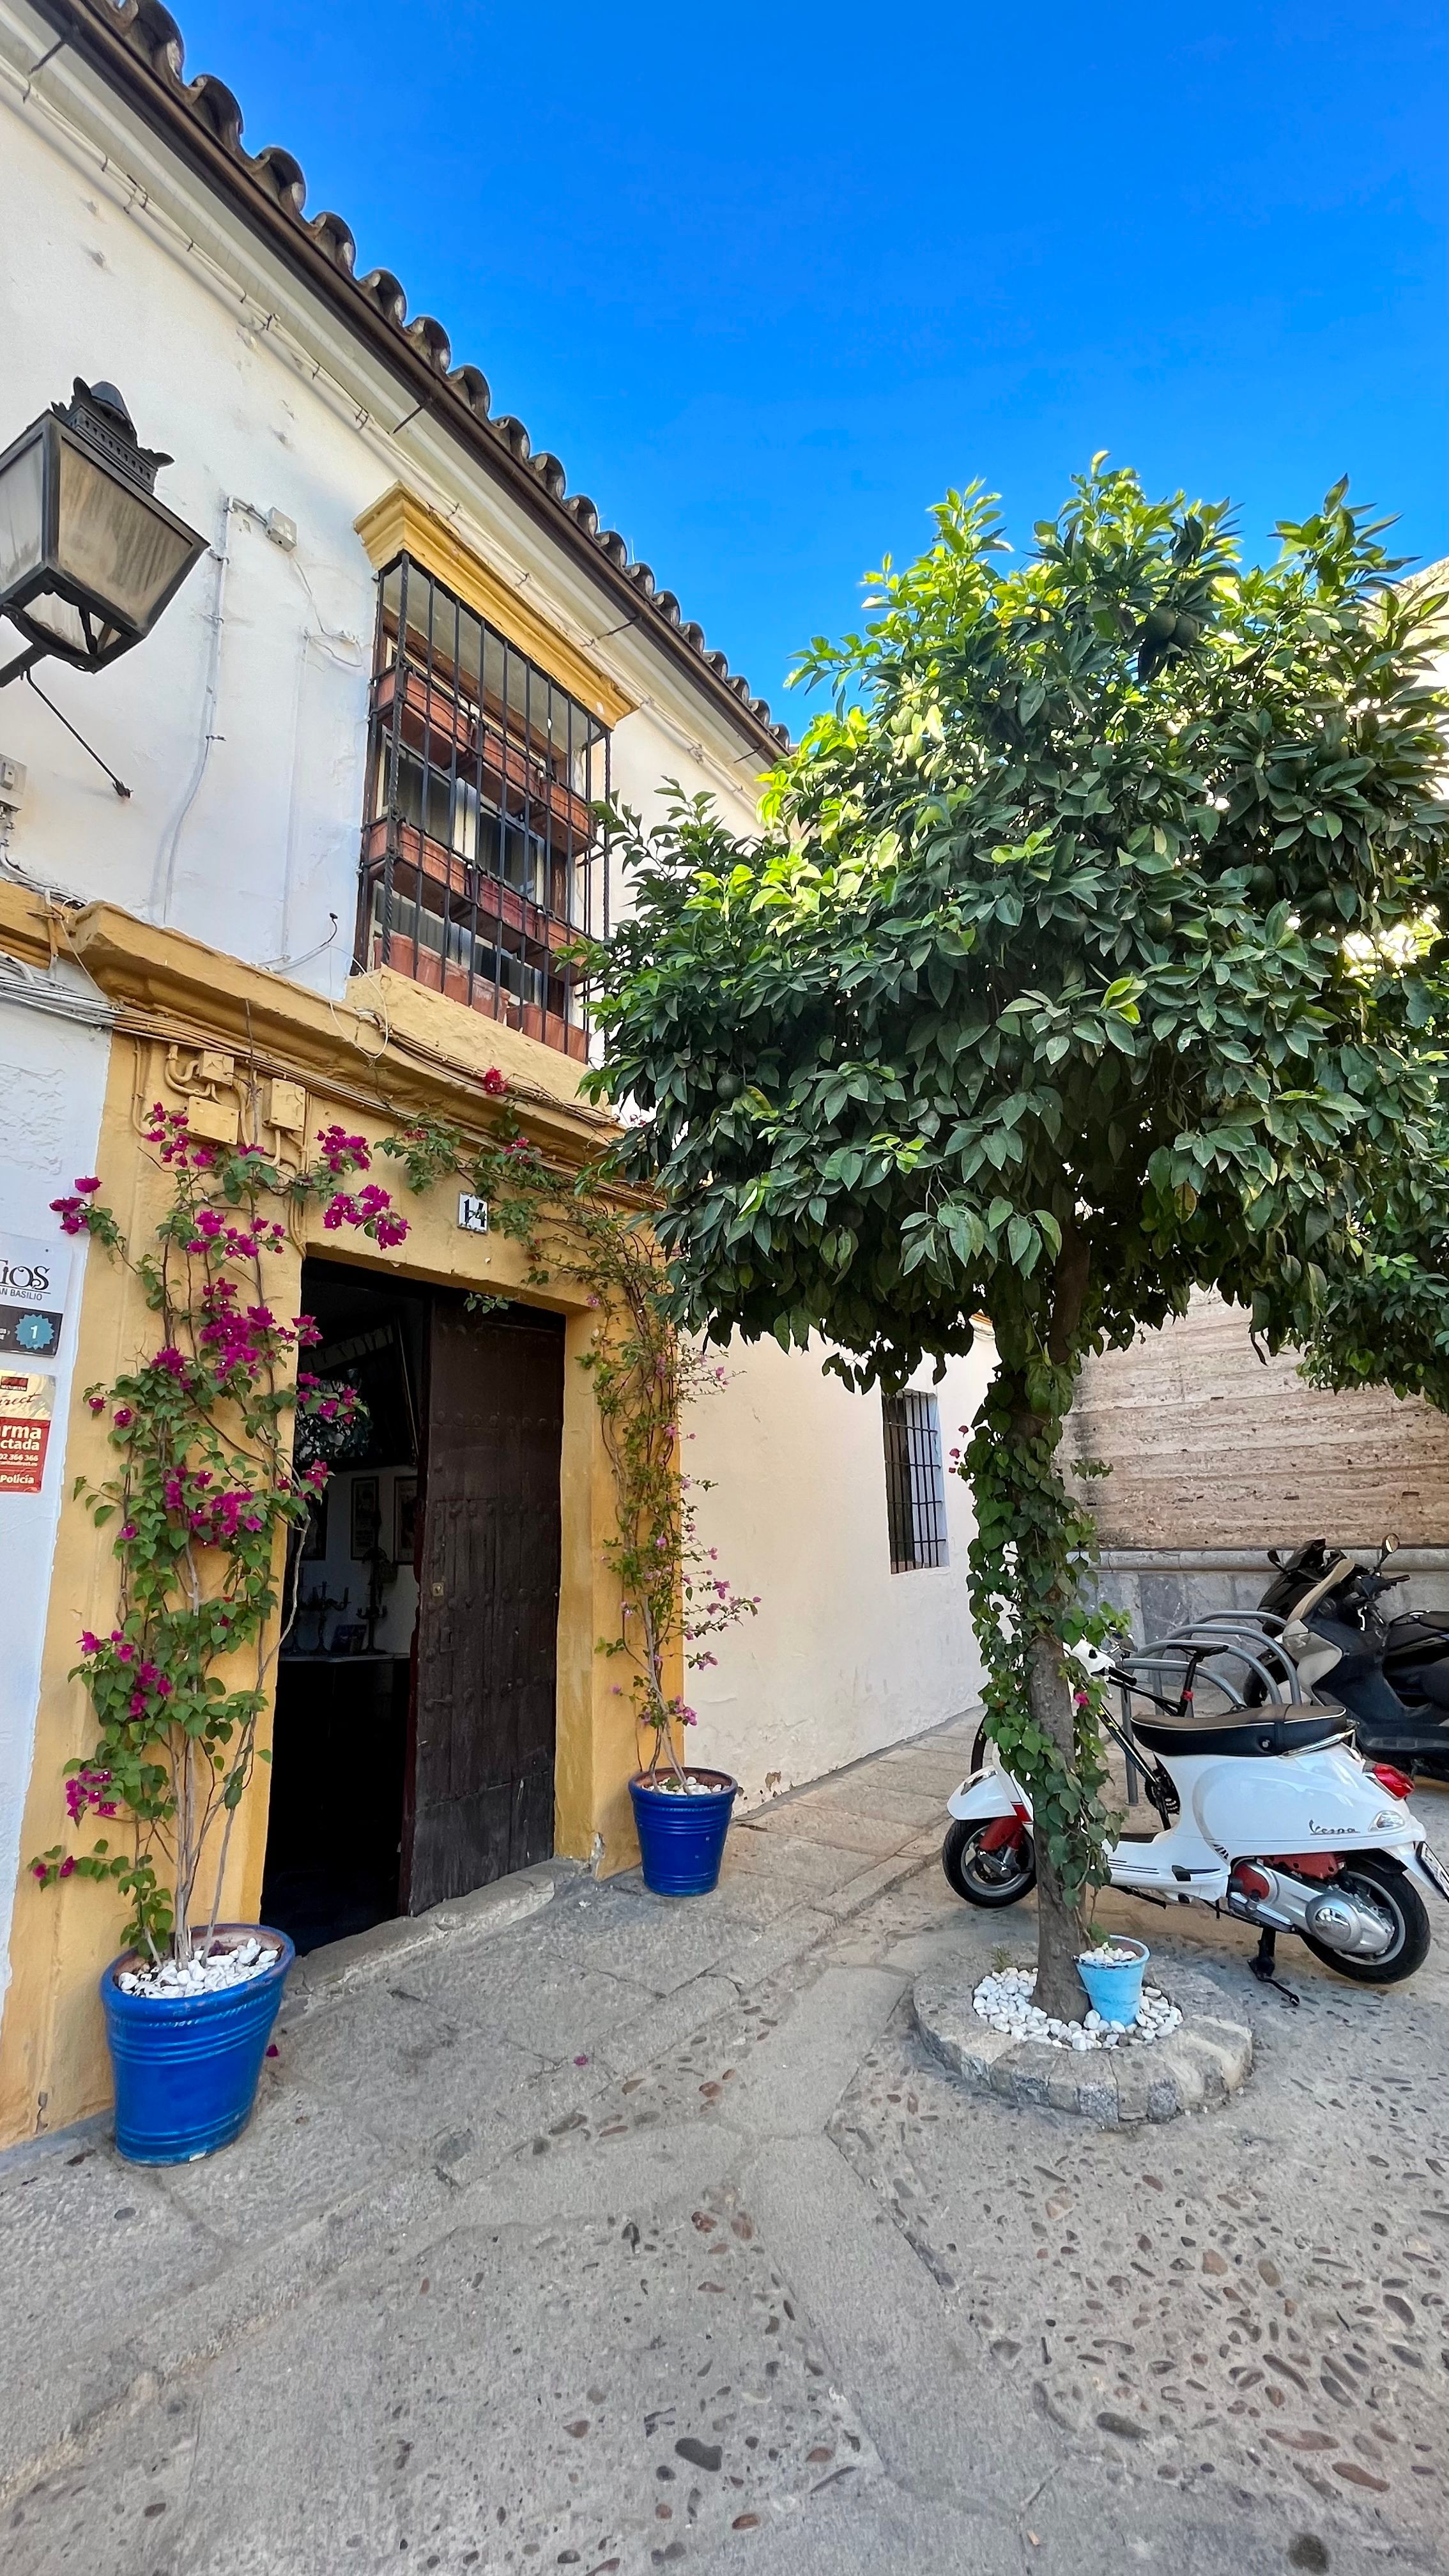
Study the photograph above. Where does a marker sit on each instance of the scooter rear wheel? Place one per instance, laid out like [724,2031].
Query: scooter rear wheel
[1390,1892]
[990,1878]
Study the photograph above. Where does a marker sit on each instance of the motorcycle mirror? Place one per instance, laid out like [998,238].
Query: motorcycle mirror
[1388,1547]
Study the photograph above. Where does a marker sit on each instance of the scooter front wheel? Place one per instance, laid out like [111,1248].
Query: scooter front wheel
[1391,1894]
[990,1878]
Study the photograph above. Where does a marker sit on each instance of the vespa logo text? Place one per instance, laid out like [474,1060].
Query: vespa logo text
[1330,1829]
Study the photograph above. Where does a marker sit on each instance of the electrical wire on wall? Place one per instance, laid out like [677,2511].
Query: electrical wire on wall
[36,992]
[163,880]
[344,652]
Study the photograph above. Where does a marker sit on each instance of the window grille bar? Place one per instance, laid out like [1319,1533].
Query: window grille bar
[503,769]
[915,1482]
[479,848]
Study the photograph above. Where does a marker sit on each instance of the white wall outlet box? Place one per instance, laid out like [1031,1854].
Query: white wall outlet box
[12,783]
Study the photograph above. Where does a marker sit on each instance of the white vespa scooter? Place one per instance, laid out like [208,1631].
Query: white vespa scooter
[1270,1815]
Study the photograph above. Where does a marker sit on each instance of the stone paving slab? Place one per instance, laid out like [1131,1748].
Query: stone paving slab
[744,2280]
[846,1826]
[381,1951]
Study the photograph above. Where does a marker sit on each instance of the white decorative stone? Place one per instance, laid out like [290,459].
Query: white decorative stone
[224,1968]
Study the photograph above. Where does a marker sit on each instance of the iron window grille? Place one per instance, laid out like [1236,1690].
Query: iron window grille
[915,1481]
[481,862]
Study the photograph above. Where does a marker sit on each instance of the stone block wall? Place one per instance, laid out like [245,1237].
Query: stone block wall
[1215,1456]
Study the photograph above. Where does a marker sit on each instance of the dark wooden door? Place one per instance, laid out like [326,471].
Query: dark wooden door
[480,1792]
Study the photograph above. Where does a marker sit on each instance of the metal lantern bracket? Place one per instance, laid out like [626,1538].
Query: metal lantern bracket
[89,558]
[119,784]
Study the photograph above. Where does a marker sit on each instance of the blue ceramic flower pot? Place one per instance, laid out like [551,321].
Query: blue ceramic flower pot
[187,2066]
[1116,1993]
[682,1839]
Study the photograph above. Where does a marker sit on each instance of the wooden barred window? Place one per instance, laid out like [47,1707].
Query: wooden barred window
[481,862]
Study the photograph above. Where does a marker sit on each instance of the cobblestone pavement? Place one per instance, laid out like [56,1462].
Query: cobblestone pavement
[638,2236]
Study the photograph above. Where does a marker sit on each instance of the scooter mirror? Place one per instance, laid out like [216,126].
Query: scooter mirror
[1388,1546]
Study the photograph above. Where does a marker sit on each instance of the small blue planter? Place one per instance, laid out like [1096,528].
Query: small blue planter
[1116,1993]
[682,1839]
[187,2066]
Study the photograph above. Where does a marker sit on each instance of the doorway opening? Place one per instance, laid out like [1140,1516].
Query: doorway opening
[344,1675]
[413,1745]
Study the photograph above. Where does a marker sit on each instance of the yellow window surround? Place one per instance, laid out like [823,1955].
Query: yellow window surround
[399,523]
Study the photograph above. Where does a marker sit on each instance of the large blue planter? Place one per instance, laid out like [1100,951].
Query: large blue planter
[187,2066]
[682,1839]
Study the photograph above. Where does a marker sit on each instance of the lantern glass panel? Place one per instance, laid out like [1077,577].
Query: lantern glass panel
[46,612]
[22,513]
[112,544]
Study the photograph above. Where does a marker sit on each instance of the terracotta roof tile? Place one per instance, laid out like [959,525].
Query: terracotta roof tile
[141,39]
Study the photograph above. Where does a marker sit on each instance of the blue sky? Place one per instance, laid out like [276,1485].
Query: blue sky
[769,286]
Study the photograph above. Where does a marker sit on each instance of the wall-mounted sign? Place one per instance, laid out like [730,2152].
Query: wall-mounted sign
[472,1214]
[27,1402]
[34,1276]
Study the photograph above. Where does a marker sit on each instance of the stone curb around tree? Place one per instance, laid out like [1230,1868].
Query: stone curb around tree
[1197,2069]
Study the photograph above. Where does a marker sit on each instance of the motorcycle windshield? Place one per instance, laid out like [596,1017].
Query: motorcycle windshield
[1303,1569]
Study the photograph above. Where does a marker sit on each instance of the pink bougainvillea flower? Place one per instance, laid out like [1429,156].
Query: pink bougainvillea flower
[87,1188]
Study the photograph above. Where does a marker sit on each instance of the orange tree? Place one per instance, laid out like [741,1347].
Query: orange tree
[1032,1000]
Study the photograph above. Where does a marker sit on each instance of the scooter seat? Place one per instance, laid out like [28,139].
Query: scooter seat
[1230,1735]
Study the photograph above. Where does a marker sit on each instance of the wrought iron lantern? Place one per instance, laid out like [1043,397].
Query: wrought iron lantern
[89,557]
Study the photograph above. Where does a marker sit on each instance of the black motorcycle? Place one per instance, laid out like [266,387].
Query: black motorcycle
[1391,1675]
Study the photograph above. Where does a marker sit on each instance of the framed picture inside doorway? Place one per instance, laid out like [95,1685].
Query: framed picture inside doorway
[405,1505]
[366,1518]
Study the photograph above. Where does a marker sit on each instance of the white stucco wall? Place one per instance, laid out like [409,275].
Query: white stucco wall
[240,725]
[844,1656]
[240,728]
[52,1083]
